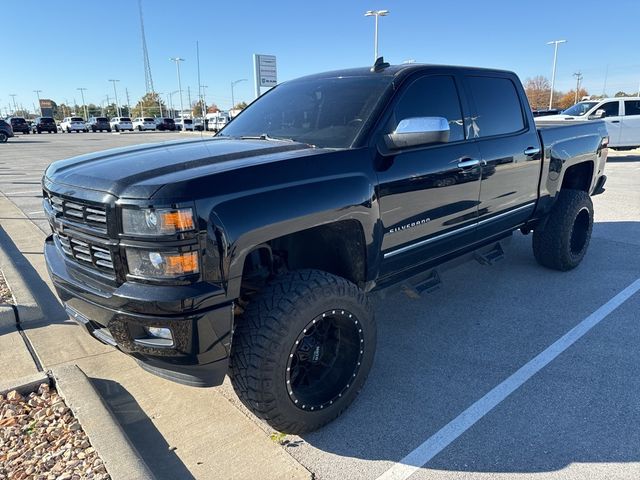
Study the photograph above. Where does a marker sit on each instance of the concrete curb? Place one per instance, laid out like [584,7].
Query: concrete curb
[120,458]
[25,385]
[7,315]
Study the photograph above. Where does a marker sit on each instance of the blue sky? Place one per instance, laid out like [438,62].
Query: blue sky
[84,43]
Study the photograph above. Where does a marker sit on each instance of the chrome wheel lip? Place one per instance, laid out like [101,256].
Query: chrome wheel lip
[342,313]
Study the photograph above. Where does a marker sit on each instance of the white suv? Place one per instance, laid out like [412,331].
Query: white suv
[121,123]
[146,123]
[184,124]
[73,124]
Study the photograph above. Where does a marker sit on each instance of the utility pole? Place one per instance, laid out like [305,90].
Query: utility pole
[377,14]
[13,96]
[126,91]
[578,76]
[37,92]
[86,113]
[189,96]
[606,77]
[115,92]
[555,61]
[178,60]
[199,83]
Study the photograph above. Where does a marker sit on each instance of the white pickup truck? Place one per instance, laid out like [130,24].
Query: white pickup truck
[621,115]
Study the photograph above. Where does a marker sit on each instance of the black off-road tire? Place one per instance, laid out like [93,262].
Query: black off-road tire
[560,242]
[267,332]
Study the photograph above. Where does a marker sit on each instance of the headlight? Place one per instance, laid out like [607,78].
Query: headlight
[158,264]
[161,221]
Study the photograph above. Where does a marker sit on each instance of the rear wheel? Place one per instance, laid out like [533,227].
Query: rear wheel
[303,349]
[560,242]
[3,137]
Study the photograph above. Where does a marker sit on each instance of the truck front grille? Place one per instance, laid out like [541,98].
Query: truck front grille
[93,216]
[86,252]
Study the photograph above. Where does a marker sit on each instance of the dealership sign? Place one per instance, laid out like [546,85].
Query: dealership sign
[266,72]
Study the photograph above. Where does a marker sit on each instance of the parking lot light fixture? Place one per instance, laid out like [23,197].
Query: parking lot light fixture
[233,103]
[115,92]
[377,14]
[178,60]
[553,74]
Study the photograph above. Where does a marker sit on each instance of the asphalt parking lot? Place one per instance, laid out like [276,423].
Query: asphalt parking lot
[577,417]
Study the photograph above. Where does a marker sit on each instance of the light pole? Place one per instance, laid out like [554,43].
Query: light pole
[553,74]
[115,92]
[178,60]
[377,14]
[13,96]
[37,92]
[171,94]
[233,84]
[86,113]
[578,76]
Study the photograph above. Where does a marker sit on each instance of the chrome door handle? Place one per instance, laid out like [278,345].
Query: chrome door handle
[531,151]
[468,163]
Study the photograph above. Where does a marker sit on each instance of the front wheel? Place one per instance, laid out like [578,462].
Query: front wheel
[303,349]
[3,137]
[560,242]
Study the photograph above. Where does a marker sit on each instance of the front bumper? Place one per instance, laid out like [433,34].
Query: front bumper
[201,338]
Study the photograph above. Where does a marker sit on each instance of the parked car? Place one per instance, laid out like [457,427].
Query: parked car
[198,124]
[144,123]
[185,124]
[19,124]
[217,121]
[73,124]
[44,124]
[99,124]
[253,253]
[163,123]
[621,115]
[121,124]
[6,132]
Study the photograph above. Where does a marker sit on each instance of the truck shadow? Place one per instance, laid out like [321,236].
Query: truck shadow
[148,441]
[439,354]
[630,157]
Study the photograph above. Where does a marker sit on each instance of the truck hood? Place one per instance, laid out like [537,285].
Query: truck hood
[138,172]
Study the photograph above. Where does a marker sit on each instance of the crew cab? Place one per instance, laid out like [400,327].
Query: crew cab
[253,253]
[73,124]
[621,115]
[144,123]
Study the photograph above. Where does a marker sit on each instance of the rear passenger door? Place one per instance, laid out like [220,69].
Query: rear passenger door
[510,152]
[630,124]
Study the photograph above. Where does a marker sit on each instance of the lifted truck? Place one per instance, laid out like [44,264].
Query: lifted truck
[253,253]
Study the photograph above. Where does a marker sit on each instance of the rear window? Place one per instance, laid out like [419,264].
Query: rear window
[498,109]
[18,120]
[46,120]
[147,119]
[169,120]
[125,119]
[101,119]
[76,119]
[188,121]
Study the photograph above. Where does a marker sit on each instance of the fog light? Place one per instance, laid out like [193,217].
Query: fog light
[159,332]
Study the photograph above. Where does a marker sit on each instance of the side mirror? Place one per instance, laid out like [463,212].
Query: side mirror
[600,113]
[417,131]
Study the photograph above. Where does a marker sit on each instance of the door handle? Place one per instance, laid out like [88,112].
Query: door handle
[615,121]
[468,162]
[531,151]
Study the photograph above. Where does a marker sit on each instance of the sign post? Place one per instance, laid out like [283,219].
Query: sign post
[265,72]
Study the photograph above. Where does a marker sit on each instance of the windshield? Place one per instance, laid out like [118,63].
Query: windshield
[326,112]
[579,109]
[148,119]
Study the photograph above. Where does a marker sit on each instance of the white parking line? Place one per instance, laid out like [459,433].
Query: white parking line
[450,432]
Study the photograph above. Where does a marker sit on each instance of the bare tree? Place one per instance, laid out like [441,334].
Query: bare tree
[538,90]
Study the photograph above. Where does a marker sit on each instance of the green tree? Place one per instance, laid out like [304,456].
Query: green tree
[149,106]
[196,109]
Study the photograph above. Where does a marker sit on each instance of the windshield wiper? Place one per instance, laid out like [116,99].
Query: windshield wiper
[266,136]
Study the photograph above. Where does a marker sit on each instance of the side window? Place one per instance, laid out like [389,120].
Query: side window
[612,109]
[435,96]
[632,107]
[498,109]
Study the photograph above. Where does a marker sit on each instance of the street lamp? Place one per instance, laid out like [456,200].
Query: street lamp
[37,92]
[115,92]
[86,113]
[178,60]
[171,94]
[555,60]
[233,103]
[377,14]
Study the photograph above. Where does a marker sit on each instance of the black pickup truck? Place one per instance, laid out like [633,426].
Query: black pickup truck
[253,252]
